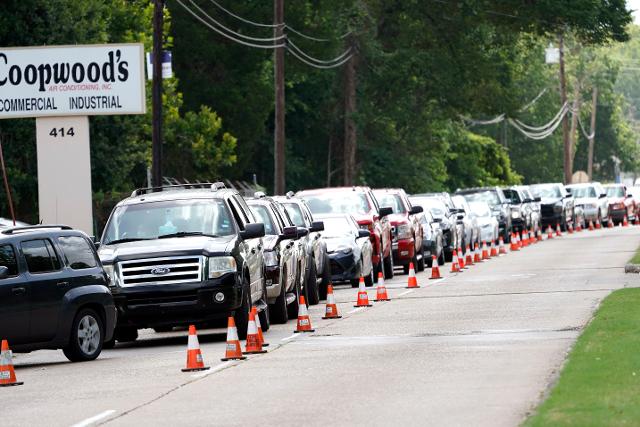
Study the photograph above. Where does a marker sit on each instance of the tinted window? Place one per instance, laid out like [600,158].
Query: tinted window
[295,213]
[262,215]
[391,200]
[40,256]
[338,202]
[77,252]
[8,259]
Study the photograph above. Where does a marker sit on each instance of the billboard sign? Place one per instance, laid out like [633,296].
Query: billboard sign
[78,80]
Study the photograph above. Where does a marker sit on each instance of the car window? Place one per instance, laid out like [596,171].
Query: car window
[491,197]
[550,191]
[295,213]
[338,202]
[8,259]
[394,201]
[615,192]
[40,256]
[77,252]
[262,214]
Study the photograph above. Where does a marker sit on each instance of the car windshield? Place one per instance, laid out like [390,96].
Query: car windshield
[615,192]
[490,197]
[262,215]
[436,206]
[390,200]
[156,219]
[337,226]
[295,213]
[583,192]
[480,208]
[338,202]
[548,191]
[513,195]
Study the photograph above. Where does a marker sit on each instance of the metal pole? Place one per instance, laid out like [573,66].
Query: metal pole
[156,167]
[6,184]
[279,184]
[565,120]
[594,102]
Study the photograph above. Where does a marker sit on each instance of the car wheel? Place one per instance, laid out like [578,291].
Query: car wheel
[264,315]
[326,278]
[370,278]
[441,259]
[241,314]
[421,263]
[448,256]
[388,266]
[312,284]
[87,332]
[405,269]
[379,268]
[292,309]
[278,310]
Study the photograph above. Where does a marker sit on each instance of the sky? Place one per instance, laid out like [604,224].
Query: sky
[635,5]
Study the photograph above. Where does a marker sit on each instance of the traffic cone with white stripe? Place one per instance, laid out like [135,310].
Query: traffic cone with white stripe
[502,250]
[304,321]
[412,281]
[570,228]
[460,258]
[591,227]
[468,261]
[549,232]
[514,242]
[610,222]
[7,373]
[435,268]
[558,230]
[485,251]
[253,344]
[194,357]
[519,240]
[363,296]
[539,232]
[578,227]
[494,250]
[381,290]
[598,224]
[525,237]
[476,254]
[331,309]
[233,350]
[455,267]
[259,326]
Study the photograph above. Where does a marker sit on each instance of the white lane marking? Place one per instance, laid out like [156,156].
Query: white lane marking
[213,370]
[406,292]
[355,310]
[94,419]
[290,337]
[436,281]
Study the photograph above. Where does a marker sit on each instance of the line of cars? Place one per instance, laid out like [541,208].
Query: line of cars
[176,255]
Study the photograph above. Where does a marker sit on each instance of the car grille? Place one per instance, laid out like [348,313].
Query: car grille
[336,268]
[161,271]
[547,210]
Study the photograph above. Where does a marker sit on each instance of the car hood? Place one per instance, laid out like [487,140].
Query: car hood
[397,218]
[178,246]
[335,242]
[550,200]
[587,200]
[484,220]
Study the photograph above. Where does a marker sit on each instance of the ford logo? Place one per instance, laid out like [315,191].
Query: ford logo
[160,271]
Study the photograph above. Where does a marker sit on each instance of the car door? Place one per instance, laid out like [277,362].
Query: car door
[48,284]
[82,266]
[14,299]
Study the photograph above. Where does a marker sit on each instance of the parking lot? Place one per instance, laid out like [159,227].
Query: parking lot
[479,347]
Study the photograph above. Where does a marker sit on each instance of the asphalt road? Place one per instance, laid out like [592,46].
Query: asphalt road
[476,348]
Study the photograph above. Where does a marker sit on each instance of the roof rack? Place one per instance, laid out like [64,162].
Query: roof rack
[259,195]
[35,227]
[204,185]
[290,194]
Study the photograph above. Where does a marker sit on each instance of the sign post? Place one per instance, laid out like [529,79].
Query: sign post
[61,86]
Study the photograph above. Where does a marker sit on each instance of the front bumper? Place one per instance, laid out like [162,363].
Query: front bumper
[155,305]
[486,234]
[590,214]
[617,214]
[404,251]
[343,267]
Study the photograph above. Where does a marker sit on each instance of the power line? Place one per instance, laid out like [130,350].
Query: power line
[311,64]
[293,30]
[292,45]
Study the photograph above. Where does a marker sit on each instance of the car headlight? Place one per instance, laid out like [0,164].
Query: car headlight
[557,207]
[515,214]
[404,231]
[221,265]
[111,272]
[270,258]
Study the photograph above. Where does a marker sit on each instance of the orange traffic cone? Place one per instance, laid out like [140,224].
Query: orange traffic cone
[578,227]
[468,261]
[514,242]
[494,250]
[625,222]
[460,258]
[539,232]
[363,296]
[525,237]
[194,357]
[259,326]
[7,374]
[455,267]
[233,351]
[549,232]
[435,268]
[558,230]
[502,249]
[485,251]
[570,228]
[412,281]
[381,290]
[610,222]
[476,254]
[304,321]
[331,310]
[591,227]
[519,240]
[253,344]
[637,219]
[598,224]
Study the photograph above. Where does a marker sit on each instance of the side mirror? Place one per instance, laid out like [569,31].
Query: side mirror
[602,196]
[289,233]
[385,211]
[629,196]
[364,233]
[460,217]
[316,226]
[301,231]
[537,199]
[437,219]
[4,272]
[416,210]
[253,231]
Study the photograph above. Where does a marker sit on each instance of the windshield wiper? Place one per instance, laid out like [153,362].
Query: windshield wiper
[128,239]
[186,234]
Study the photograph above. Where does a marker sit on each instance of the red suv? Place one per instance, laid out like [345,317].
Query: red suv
[359,202]
[621,203]
[405,226]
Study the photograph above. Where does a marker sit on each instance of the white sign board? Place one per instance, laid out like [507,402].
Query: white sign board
[64,172]
[76,80]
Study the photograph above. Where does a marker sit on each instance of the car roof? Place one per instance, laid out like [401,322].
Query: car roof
[177,194]
[332,189]
[38,232]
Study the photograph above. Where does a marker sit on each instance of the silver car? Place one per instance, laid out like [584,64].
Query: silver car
[471,228]
[592,198]
[486,221]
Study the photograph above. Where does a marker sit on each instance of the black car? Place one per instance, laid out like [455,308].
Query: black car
[184,254]
[498,203]
[556,205]
[54,293]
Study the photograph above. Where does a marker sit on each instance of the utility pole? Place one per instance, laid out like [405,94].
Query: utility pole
[350,142]
[279,184]
[156,136]
[565,120]
[594,102]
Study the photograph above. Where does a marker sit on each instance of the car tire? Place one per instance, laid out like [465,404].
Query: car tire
[313,296]
[264,315]
[441,259]
[292,309]
[85,341]
[241,314]
[278,310]
[326,278]
[421,263]
[388,267]
[369,280]
[448,255]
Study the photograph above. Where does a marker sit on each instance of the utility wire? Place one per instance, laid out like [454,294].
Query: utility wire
[546,126]
[533,101]
[240,18]
[311,64]
[292,45]
[293,30]
[230,37]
